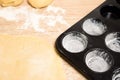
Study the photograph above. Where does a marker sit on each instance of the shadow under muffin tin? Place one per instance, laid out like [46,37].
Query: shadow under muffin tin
[92,45]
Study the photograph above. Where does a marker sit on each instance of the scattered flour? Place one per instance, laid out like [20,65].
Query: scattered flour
[112,41]
[116,74]
[74,42]
[32,18]
[55,9]
[94,27]
[9,13]
[98,61]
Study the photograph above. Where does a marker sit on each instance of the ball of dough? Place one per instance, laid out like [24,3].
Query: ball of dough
[39,3]
[6,3]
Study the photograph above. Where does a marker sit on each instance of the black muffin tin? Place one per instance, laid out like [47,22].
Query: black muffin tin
[109,13]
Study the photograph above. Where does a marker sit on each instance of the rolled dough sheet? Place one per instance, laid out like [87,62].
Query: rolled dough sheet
[28,58]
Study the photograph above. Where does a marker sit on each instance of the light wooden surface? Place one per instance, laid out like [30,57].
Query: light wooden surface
[74,11]
[77,9]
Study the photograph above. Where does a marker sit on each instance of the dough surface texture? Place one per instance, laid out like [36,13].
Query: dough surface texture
[39,3]
[28,58]
[6,3]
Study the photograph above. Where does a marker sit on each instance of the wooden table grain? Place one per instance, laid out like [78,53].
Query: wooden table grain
[74,11]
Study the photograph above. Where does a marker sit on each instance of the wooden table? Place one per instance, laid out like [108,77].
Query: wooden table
[74,11]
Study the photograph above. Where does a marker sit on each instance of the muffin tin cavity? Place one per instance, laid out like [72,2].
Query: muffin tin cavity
[94,27]
[98,60]
[110,12]
[116,74]
[112,41]
[92,45]
[74,42]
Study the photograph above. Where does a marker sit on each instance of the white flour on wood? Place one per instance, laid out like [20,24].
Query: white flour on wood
[32,18]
